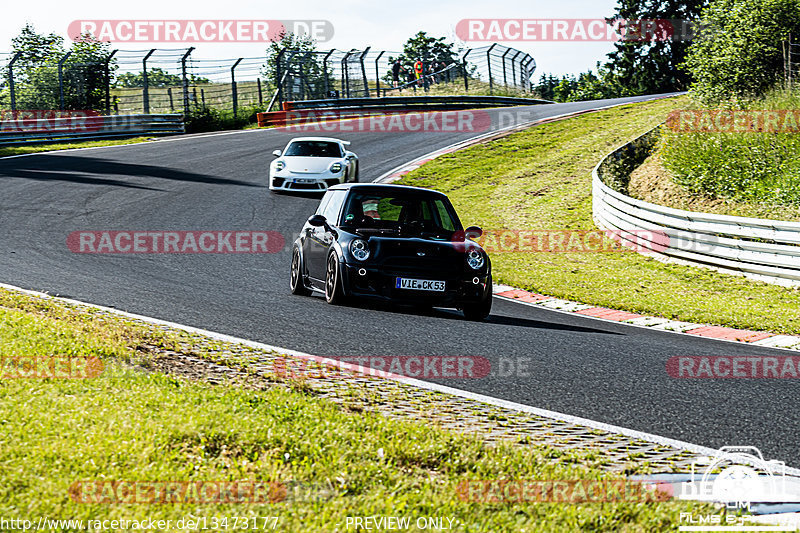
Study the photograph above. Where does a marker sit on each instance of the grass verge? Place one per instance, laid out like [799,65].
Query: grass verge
[37,148]
[540,179]
[759,168]
[133,424]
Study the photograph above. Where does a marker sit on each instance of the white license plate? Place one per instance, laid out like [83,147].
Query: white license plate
[301,180]
[419,285]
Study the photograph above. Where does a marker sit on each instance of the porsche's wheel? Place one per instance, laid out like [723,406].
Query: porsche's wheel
[334,293]
[296,283]
[478,311]
[355,173]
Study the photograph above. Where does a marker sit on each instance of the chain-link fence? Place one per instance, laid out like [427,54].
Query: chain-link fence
[178,80]
[361,73]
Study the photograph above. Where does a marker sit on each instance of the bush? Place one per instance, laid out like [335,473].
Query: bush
[740,51]
[205,119]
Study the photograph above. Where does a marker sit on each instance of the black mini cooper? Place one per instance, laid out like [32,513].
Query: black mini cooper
[394,243]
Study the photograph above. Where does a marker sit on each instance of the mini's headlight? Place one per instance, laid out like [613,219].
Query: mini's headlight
[475,259]
[360,249]
[280,165]
[336,168]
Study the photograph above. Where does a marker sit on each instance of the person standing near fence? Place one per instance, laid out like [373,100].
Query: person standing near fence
[396,68]
[418,71]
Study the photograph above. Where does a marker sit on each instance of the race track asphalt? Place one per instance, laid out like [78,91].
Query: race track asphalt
[603,371]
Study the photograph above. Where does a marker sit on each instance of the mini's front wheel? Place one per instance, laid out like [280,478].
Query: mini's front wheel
[296,281]
[334,293]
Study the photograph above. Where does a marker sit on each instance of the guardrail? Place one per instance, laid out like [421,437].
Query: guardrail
[346,107]
[768,250]
[82,128]
[459,102]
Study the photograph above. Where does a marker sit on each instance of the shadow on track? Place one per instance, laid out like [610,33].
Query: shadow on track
[77,169]
[451,314]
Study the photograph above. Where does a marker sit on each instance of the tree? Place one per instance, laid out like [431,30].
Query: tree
[36,71]
[156,77]
[742,55]
[646,62]
[301,68]
[428,49]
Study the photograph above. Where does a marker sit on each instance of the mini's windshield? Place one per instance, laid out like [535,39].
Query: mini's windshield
[415,214]
[314,149]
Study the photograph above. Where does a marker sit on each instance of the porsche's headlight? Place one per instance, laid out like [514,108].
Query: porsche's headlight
[280,165]
[360,249]
[336,168]
[475,259]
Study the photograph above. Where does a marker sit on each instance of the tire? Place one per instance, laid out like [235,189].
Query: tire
[334,292]
[296,284]
[355,174]
[479,311]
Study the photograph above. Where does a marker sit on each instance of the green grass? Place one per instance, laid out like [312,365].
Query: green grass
[745,167]
[540,179]
[137,425]
[36,148]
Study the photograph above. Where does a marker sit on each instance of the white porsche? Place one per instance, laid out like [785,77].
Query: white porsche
[312,164]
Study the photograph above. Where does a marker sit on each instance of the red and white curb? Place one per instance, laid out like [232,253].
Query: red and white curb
[743,336]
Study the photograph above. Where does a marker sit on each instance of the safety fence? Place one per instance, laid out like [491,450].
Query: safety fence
[179,80]
[764,249]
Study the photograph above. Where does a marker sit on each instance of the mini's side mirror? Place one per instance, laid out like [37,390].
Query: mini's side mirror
[473,232]
[317,220]
[276,153]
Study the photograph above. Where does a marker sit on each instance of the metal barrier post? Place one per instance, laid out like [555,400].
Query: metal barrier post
[185,81]
[61,78]
[278,78]
[503,59]
[464,70]
[11,80]
[325,72]
[345,76]
[171,104]
[489,64]
[145,87]
[108,81]
[260,94]
[234,92]
[514,70]
[364,71]
[529,73]
[377,75]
